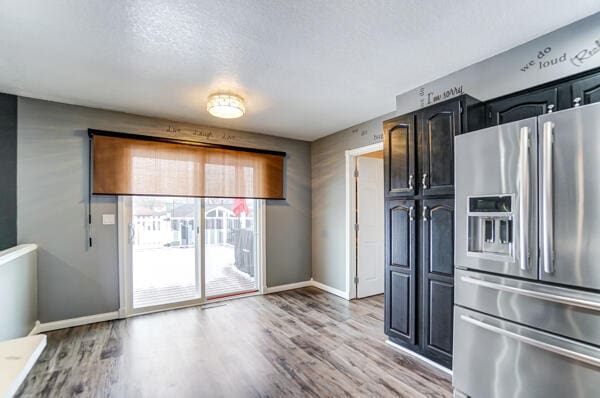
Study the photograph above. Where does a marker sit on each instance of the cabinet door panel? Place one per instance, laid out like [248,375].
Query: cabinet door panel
[522,106]
[439,124]
[440,238]
[400,234]
[437,269]
[399,156]
[401,297]
[400,306]
[441,302]
[399,238]
[587,89]
[400,281]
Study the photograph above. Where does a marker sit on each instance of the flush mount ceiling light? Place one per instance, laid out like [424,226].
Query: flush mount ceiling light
[226,106]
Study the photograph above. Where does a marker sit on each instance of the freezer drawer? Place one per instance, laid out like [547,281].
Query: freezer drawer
[568,312]
[494,358]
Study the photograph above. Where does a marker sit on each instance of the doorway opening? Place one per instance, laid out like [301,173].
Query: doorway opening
[177,251]
[365,221]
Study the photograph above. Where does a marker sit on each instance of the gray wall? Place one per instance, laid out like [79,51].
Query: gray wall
[572,49]
[328,160]
[487,79]
[18,295]
[8,171]
[75,280]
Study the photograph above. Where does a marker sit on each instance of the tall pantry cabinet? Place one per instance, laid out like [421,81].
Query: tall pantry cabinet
[419,224]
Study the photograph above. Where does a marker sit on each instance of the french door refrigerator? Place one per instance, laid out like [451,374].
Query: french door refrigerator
[527,257]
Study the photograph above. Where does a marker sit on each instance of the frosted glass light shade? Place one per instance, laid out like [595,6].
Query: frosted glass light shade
[226,106]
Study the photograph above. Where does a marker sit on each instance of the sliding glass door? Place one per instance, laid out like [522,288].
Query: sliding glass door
[183,251]
[230,236]
[164,250]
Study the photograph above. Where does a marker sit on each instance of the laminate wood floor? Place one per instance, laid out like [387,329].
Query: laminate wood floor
[304,343]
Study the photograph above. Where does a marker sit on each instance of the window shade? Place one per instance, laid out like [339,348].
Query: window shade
[125,164]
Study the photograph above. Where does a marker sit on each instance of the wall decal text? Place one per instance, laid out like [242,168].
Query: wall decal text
[585,54]
[428,98]
[543,60]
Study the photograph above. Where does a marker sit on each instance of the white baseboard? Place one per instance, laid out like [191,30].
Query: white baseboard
[109,316]
[289,286]
[69,323]
[311,282]
[330,289]
[35,329]
[421,358]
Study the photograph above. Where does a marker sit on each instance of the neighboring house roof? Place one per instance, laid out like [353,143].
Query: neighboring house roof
[179,210]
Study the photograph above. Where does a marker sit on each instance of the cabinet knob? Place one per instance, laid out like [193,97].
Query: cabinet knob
[411,181]
[424,181]
[425,212]
[411,213]
[577,101]
[550,108]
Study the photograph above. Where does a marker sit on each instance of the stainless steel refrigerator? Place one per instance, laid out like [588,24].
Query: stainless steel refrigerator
[527,257]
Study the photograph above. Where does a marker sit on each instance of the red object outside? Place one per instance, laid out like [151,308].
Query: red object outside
[240,206]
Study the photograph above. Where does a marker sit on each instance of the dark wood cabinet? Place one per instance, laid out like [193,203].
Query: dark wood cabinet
[562,94]
[437,128]
[587,90]
[524,106]
[400,270]
[419,291]
[419,194]
[419,186]
[400,320]
[437,272]
[400,158]
[419,147]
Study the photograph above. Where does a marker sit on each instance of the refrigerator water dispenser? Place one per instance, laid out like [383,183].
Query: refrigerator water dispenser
[490,226]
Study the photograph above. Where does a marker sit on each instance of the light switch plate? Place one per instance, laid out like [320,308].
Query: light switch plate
[108,219]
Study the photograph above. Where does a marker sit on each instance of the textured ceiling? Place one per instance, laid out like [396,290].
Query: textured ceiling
[306,68]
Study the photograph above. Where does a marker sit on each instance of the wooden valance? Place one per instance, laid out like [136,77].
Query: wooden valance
[127,164]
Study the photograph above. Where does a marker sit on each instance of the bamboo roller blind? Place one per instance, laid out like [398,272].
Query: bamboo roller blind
[138,165]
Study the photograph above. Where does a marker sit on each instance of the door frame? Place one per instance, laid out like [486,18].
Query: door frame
[124,259]
[351,155]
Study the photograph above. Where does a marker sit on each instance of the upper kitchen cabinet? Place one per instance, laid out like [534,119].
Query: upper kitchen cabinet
[561,94]
[586,90]
[522,106]
[418,147]
[399,156]
[438,124]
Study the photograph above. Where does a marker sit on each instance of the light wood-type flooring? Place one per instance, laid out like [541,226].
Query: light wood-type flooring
[299,343]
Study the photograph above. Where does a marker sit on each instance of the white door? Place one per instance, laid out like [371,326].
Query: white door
[369,207]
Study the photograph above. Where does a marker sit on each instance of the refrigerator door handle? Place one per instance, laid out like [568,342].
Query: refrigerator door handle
[565,352]
[547,199]
[554,297]
[524,199]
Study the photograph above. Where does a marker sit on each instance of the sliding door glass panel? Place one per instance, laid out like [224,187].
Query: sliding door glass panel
[230,238]
[163,238]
